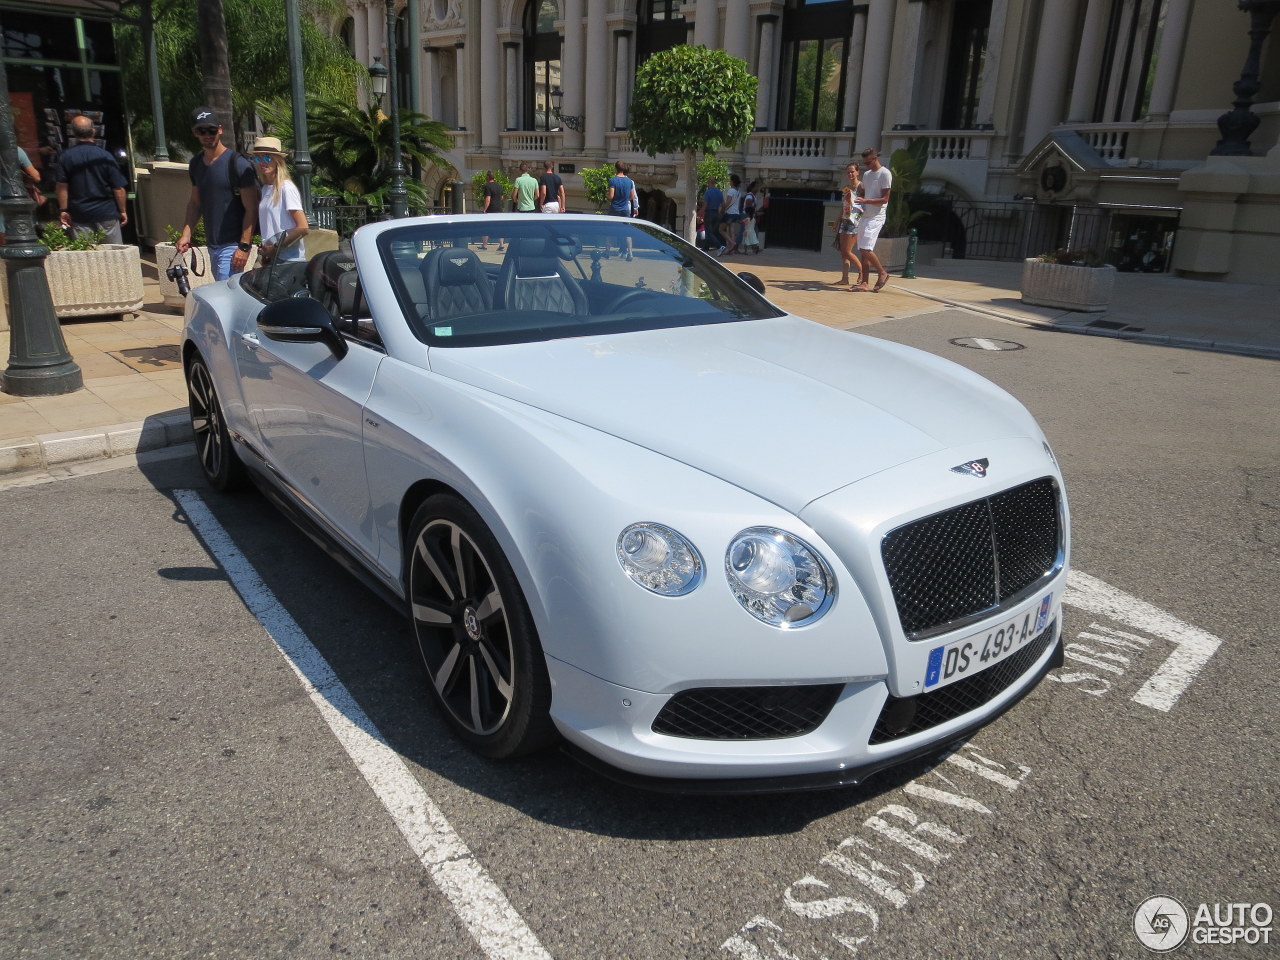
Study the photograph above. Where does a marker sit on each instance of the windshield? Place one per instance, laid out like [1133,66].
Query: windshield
[486,280]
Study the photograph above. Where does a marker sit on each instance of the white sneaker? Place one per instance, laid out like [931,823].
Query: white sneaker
[721,251]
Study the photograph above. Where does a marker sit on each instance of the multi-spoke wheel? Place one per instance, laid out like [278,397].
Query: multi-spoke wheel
[221,464]
[477,640]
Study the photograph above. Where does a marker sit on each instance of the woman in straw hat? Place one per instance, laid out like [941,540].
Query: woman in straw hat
[279,204]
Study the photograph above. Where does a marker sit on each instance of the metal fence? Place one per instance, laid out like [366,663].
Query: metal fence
[331,214]
[998,230]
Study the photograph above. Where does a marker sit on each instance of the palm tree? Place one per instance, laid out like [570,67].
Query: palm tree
[351,147]
[257,52]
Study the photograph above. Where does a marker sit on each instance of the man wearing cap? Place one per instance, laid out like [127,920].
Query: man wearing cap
[224,191]
[90,186]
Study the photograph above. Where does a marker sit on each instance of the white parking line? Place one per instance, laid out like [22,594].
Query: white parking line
[1193,647]
[482,907]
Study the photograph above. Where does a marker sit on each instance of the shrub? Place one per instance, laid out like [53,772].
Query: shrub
[55,238]
[172,233]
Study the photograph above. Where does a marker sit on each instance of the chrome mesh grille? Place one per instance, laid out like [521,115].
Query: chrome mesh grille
[970,559]
[746,713]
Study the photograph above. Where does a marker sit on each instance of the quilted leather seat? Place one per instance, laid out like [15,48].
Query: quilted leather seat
[533,277]
[456,284]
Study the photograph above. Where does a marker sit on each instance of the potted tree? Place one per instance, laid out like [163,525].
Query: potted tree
[689,100]
[1068,279]
[88,277]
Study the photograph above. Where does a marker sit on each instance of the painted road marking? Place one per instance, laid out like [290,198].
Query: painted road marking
[482,907]
[888,860]
[1192,646]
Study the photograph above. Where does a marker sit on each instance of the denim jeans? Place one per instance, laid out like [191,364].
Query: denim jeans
[220,260]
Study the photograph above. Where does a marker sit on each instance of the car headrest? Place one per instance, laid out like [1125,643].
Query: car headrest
[458,268]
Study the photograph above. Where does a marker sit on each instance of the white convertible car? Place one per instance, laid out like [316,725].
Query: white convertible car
[631,506]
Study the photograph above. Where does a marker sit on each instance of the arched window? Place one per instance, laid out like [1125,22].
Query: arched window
[815,43]
[347,34]
[541,63]
[661,26]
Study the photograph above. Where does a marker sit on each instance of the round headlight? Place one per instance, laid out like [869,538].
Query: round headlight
[778,578]
[659,559]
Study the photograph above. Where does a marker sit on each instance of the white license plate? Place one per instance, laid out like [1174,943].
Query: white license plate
[973,654]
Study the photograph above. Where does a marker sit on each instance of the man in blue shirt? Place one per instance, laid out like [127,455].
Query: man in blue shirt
[224,191]
[90,186]
[711,219]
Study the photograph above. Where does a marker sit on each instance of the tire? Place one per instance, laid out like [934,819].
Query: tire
[218,458]
[484,664]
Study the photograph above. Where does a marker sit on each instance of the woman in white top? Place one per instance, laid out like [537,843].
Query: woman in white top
[279,204]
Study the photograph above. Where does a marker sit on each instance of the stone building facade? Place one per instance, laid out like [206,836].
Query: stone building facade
[1049,122]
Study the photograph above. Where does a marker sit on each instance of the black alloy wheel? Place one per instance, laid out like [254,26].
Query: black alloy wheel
[483,660]
[220,463]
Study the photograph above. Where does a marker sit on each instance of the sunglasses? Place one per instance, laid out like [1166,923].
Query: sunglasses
[261,158]
[206,131]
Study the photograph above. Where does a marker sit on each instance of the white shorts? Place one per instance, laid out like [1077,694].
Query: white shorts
[551,206]
[869,231]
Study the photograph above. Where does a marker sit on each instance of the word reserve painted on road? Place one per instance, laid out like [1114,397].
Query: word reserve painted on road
[887,861]
[1103,656]
[900,849]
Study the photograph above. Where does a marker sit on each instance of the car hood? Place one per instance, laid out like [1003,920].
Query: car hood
[785,408]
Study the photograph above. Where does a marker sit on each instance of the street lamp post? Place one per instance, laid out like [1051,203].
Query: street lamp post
[399,195]
[568,119]
[39,363]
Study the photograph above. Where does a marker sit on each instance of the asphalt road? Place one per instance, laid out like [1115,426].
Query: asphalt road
[171,790]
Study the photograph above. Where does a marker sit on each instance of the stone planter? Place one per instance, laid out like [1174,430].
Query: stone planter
[86,283]
[1067,286]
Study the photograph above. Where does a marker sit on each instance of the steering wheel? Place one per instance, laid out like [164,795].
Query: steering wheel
[629,296]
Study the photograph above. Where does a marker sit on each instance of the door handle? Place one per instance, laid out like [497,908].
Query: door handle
[250,340]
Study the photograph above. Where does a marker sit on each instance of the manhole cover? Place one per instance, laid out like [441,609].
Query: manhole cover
[986,343]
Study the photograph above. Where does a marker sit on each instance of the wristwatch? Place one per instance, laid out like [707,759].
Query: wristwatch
[243,247]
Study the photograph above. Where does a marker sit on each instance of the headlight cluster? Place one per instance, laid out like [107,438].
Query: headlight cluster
[776,577]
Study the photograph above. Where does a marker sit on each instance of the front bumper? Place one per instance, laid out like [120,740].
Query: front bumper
[609,730]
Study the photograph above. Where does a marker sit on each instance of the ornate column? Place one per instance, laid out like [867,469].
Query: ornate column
[460,81]
[573,66]
[621,79]
[875,73]
[853,71]
[1169,59]
[597,79]
[431,81]
[511,72]
[737,31]
[766,72]
[360,40]
[906,69]
[1049,71]
[706,24]
[490,80]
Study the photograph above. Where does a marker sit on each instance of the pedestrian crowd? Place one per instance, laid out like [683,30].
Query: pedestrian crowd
[239,197]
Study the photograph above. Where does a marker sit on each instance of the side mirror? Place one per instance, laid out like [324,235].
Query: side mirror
[752,281]
[301,320]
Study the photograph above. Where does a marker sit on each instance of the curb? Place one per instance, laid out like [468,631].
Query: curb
[50,450]
[1155,339]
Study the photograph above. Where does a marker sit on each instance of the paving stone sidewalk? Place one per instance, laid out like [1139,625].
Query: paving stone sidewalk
[134,397]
